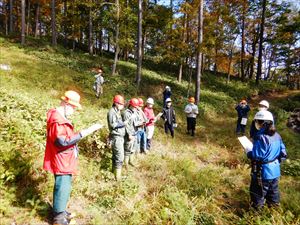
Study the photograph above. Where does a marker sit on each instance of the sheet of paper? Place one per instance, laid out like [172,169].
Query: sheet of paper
[244,121]
[158,116]
[246,143]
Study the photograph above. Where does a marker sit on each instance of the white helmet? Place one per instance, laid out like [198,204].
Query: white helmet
[168,88]
[150,101]
[264,103]
[264,115]
[168,100]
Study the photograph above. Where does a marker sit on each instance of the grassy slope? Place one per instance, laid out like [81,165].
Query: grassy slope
[202,180]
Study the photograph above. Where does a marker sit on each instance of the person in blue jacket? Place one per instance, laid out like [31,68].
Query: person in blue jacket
[166,94]
[266,155]
[242,109]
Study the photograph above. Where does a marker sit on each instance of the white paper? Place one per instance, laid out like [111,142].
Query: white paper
[244,121]
[158,116]
[246,143]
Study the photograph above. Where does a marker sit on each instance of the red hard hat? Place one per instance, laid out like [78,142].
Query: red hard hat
[134,102]
[141,102]
[119,99]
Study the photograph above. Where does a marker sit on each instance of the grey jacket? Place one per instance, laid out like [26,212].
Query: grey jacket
[115,123]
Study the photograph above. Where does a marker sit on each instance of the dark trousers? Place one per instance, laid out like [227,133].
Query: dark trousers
[169,127]
[269,192]
[239,127]
[191,124]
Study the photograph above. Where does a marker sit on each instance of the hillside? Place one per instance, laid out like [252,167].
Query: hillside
[201,180]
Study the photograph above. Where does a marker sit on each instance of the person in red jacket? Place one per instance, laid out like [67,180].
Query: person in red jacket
[149,113]
[62,152]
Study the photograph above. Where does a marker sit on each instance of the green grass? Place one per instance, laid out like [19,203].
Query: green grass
[202,180]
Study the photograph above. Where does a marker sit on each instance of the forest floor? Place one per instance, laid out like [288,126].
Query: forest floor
[186,180]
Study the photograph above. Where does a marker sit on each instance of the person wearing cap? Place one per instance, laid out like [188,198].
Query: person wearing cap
[266,155]
[168,114]
[149,113]
[130,115]
[166,94]
[242,109]
[116,127]
[99,82]
[191,111]
[62,152]
[262,106]
[140,123]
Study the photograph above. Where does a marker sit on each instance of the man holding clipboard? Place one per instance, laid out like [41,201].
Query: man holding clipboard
[242,109]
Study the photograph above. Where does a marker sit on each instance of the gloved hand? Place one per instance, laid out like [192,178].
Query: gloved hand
[90,130]
[175,125]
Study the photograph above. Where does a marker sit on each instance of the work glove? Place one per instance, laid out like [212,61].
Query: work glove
[175,125]
[90,130]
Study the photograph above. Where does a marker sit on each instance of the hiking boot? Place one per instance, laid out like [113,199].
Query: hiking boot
[69,215]
[60,219]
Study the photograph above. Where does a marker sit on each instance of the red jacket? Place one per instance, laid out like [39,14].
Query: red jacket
[61,149]
[149,113]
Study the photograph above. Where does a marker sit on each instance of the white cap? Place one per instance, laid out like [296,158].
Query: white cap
[168,100]
[264,115]
[264,103]
[168,88]
[150,101]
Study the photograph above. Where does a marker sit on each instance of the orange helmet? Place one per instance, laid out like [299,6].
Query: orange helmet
[134,102]
[119,99]
[191,99]
[72,98]
[141,102]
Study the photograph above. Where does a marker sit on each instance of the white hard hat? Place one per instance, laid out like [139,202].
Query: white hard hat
[150,101]
[168,100]
[264,103]
[264,115]
[168,88]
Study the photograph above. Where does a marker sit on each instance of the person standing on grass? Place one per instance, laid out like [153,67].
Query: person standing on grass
[191,111]
[99,82]
[116,128]
[262,106]
[62,152]
[168,115]
[242,109]
[149,113]
[140,124]
[266,155]
[166,94]
[130,115]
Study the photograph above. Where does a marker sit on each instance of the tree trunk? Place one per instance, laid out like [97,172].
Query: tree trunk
[37,12]
[11,17]
[139,45]
[91,42]
[28,18]
[199,53]
[100,40]
[53,24]
[108,42]
[184,36]
[243,42]
[117,48]
[261,37]
[23,22]
[65,30]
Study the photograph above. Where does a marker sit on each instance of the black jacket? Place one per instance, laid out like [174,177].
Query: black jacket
[169,114]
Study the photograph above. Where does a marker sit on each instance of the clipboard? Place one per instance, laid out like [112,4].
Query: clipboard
[246,143]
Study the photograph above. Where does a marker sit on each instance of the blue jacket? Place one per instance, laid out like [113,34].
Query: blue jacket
[242,111]
[268,150]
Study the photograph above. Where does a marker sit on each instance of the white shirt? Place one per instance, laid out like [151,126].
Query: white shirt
[191,110]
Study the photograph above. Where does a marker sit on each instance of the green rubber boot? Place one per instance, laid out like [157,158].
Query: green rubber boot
[118,174]
[131,160]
